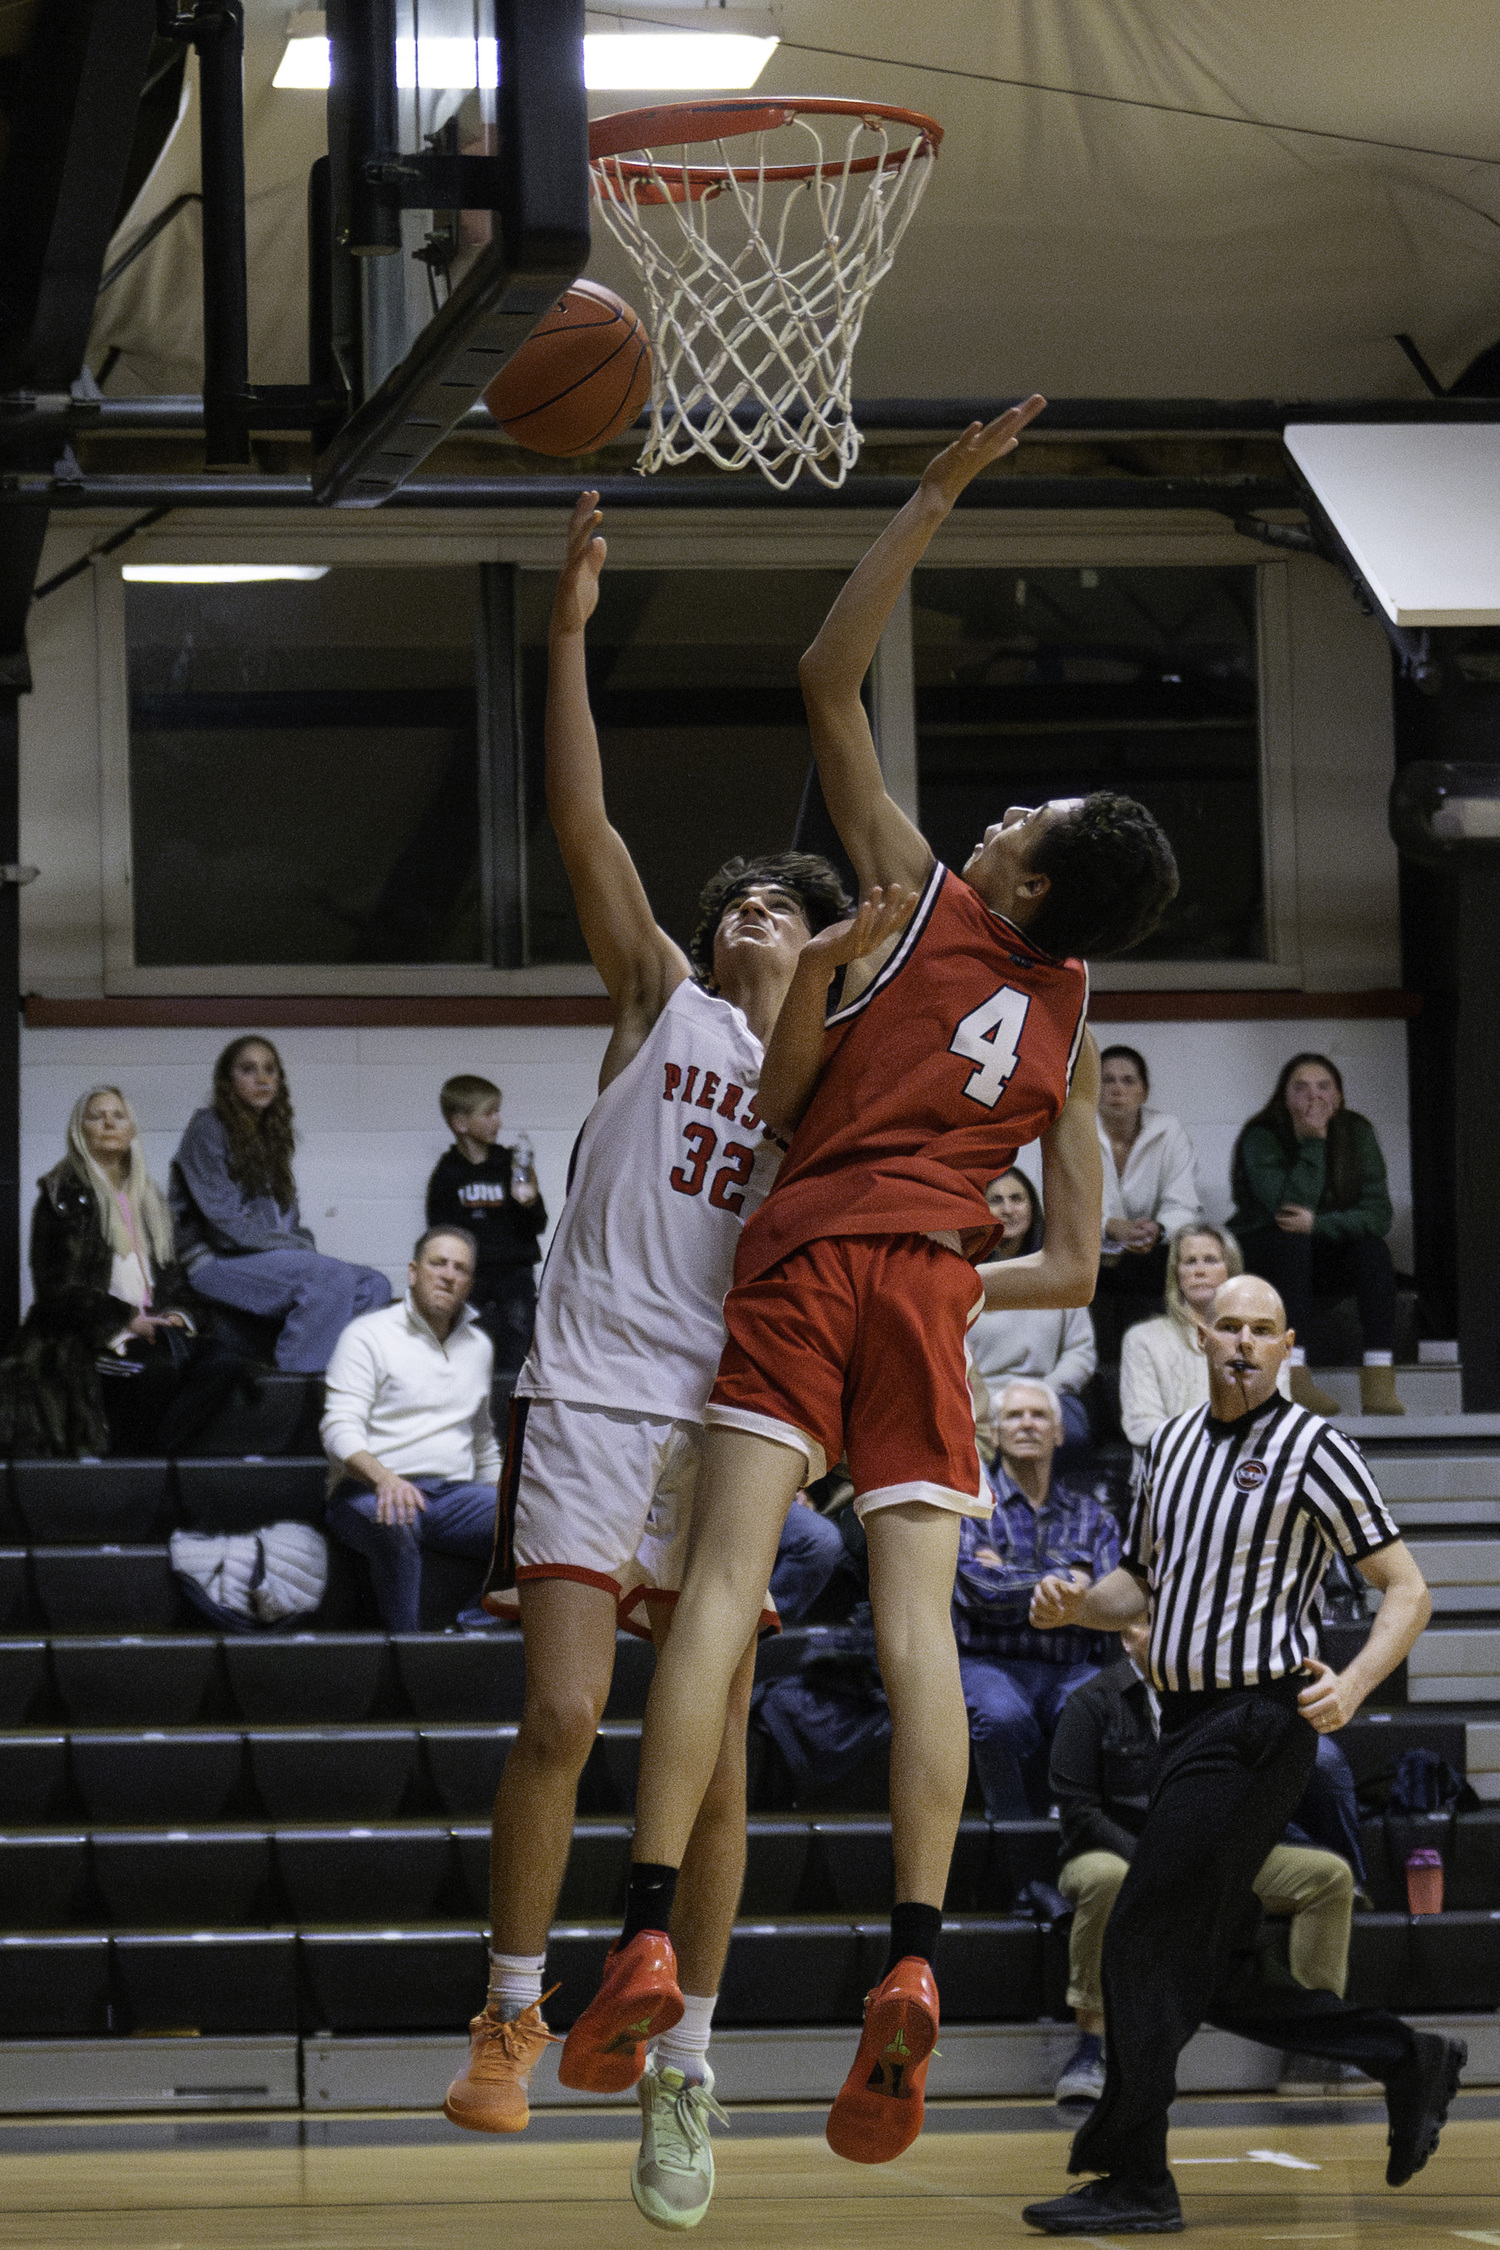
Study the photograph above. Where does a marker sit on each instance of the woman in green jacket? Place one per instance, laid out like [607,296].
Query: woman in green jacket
[1312,1211]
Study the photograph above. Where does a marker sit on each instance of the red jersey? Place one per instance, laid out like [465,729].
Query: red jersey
[956,1055]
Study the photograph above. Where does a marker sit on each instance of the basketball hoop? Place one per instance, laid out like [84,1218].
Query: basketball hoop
[757,274]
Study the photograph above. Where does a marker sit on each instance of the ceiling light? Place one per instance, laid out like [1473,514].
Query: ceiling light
[662,62]
[218,574]
[673,61]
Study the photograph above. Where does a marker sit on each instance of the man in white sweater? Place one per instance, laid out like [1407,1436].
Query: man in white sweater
[407,1429]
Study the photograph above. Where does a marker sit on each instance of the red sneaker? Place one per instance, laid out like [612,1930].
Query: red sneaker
[878,2113]
[605,2051]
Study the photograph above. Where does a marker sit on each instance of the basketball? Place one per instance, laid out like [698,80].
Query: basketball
[579,379]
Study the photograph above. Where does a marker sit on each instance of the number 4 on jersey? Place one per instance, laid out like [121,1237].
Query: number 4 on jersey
[990,1035]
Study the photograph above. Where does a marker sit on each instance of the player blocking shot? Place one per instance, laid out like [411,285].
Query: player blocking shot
[606,1424]
[962,1038]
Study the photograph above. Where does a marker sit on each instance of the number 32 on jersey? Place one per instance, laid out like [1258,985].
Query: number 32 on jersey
[990,1035]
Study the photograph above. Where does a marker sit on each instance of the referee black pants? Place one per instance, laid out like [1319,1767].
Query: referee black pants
[1179,1949]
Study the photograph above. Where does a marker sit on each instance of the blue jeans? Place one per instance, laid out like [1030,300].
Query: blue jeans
[1328,1815]
[1014,1706]
[811,1550]
[459,1519]
[313,1297]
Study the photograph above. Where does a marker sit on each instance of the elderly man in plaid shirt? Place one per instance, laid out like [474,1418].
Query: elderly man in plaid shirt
[1016,1680]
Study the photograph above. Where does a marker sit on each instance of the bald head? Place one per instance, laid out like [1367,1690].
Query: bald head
[1245,1343]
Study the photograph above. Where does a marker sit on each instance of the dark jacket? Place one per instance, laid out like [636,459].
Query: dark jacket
[1104,1763]
[50,1396]
[1266,1175]
[477,1196]
[211,1212]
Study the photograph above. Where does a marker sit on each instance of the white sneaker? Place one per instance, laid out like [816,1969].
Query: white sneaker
[1083,2074]
[672,2178]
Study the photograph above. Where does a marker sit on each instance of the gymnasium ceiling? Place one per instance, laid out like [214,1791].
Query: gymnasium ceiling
[1100,240]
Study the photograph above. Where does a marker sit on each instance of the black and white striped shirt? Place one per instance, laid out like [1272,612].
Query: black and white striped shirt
[1233,1527]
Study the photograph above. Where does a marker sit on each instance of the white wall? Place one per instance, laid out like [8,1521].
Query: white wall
[369,1129]
[1214,1075]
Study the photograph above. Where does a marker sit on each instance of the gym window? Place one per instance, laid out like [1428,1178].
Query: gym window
[1049,683]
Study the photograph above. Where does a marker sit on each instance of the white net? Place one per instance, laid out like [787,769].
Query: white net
[756,285]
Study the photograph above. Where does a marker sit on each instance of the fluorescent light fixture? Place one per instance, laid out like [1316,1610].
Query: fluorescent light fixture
[662,62]
[218,574]
[673,61]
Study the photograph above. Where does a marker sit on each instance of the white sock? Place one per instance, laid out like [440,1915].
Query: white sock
[1296,1357]
[685,2046]
[515,1982]
[1380,1359]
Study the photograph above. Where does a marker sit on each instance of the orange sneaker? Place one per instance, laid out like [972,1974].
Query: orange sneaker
[878,2113]
[490,2096]
[638,2000]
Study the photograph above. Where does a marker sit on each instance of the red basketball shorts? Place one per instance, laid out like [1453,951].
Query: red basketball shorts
[855,1344]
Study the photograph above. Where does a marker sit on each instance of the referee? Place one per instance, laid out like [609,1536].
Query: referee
[1240,1506]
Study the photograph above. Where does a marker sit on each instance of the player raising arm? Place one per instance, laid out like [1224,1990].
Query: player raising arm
[953,1043]
[606,1423]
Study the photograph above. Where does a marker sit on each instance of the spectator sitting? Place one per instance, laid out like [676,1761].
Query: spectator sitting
[491,1191]
[407,1428]
[1312,1210]
[1055,1347]
[1015,1679]
[1150,1184]
[1162,1368]
[109,1358]
[239,1232]
[813,1563]
[1105,1755]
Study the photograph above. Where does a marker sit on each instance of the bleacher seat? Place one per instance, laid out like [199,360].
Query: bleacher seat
[134,1682]
[854,1857]
[394,1980]
[44,1880]
[220,1496]
[465,1764]
[106,1589]
[269,1412]
[207,1981]
[16,1611]
[776,1857]
[635,1661]
[471,1840]
[54,1987]
[92,1503]
[12,1529]
[302,1679]
[803,1970]
[1376,1741]
[130,1779]
[386,1874]
[1021,1852]
[23,1670]
[1378,1960]
[154,1879]
[608,1781]
[1472,1872]
[597,1872]
[315,1773]
[1454,1962]
[1386,1843]
[992,1968]
[461,1677]
[33,1776]
[450,1584]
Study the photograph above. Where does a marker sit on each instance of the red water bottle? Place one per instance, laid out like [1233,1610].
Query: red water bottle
[1424,1882]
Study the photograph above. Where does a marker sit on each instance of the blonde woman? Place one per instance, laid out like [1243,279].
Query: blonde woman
[1162,1368]
[108,1358]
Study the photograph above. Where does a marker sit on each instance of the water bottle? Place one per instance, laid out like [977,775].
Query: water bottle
[1424,1882]
[523,1170]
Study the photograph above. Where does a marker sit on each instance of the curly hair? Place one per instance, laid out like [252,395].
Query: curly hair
[1112,873]
[810,878]
[260,1141]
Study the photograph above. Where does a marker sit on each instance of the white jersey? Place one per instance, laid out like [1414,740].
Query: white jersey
[671,1161]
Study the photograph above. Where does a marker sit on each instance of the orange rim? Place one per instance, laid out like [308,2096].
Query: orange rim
[683,124]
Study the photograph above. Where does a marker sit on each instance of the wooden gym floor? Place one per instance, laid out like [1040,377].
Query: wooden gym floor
[1251,2172]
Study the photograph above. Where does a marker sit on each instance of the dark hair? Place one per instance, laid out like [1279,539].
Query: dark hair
[432,1234]
[1112,875]
[1032,1239]
[1134,1057]
[812,880]
[461,1096]
[1342,1163]
[260,1141]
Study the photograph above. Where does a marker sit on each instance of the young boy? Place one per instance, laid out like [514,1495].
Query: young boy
[950,1047]
[478,1185]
